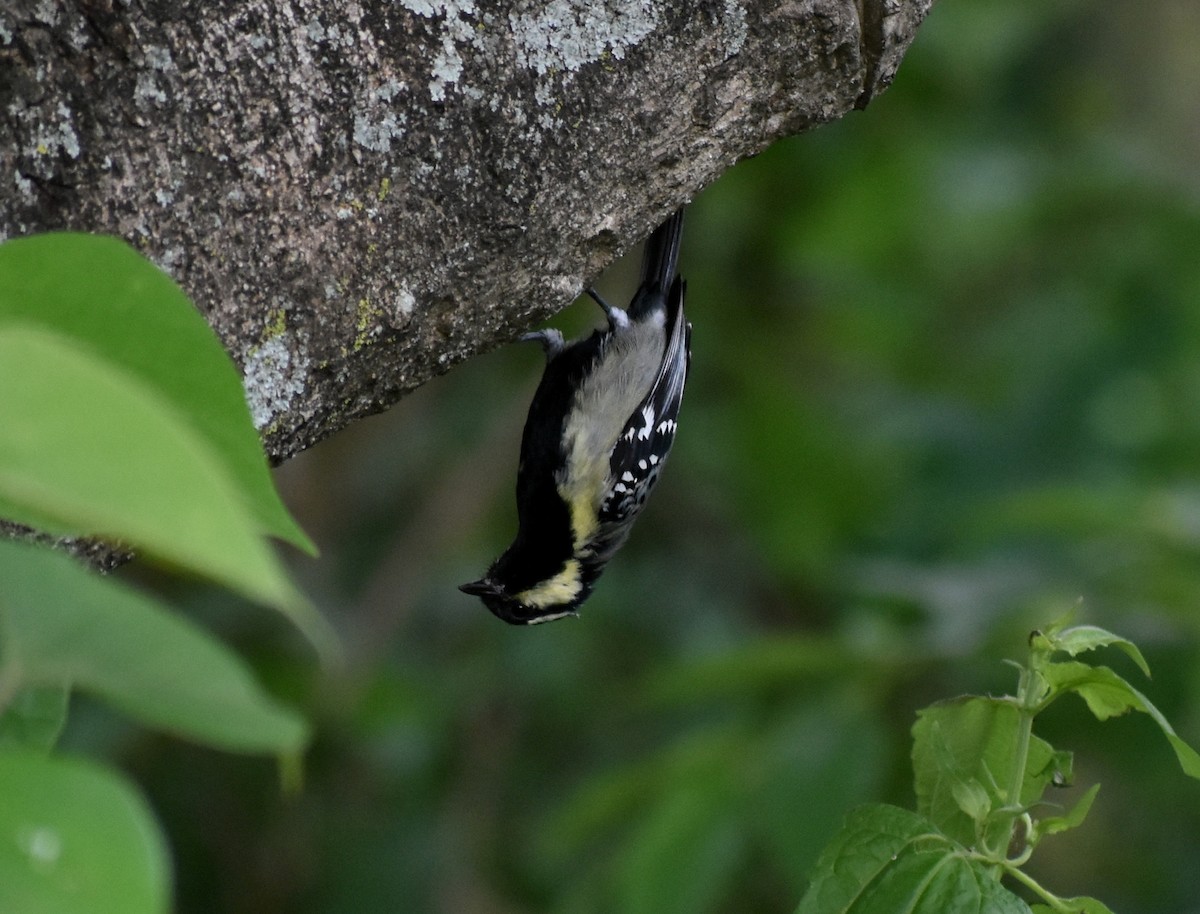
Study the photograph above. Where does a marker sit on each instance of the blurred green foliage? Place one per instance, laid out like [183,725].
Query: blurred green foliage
[946,382]
[103,435]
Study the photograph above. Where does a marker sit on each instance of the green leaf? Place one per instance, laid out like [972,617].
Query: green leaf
[887,860]
[972,798]
[62,624]
[35,716]
[973,741]
[88,448]
[1080,905]
[1081,638]
[1108,695]
[101,293]
[75,837]
[1074,817]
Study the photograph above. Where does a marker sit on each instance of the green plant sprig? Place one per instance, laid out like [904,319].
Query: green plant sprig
[981,775]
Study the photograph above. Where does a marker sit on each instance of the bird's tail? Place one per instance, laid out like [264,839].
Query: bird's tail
[660,260]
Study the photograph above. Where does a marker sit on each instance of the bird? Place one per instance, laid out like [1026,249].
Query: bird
[600,427]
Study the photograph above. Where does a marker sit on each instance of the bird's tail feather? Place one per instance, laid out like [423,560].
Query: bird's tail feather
[660,259]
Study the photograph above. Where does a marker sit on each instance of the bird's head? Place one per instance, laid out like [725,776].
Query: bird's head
[513,608]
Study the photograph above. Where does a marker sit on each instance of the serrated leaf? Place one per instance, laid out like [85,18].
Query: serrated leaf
[104,295]
[973,740]
[88,448]
[1107,695]
[35,716]
[61,624]
[1073,818]
[1082,638]
[887,860]
[76,837]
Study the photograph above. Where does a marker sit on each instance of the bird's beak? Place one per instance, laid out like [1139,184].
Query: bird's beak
[481,588]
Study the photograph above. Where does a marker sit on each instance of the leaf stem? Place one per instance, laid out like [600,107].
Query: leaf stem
[1026,704]
[1028,698]
[1034,886]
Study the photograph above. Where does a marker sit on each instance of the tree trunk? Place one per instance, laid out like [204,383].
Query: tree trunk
[360,194]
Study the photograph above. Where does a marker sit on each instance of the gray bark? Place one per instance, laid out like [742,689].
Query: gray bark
[360,194]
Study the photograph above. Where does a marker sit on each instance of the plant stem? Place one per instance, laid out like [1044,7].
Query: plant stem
[1027,705]
[1033,885]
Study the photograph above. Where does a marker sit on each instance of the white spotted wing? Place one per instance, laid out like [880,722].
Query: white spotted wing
[645,441]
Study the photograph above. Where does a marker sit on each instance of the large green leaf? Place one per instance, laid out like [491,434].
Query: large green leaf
[103,294]
[60,624]
[88,448]
[887,860]
[75,838]
[968,745]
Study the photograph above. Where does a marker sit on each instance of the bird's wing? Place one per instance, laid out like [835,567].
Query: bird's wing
[646,439]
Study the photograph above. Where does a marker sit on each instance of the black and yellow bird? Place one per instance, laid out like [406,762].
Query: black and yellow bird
[599,430]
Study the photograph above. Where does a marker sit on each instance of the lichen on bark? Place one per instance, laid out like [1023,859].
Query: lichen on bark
[462,167]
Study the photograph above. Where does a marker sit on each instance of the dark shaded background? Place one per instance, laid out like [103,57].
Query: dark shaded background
[946,384]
